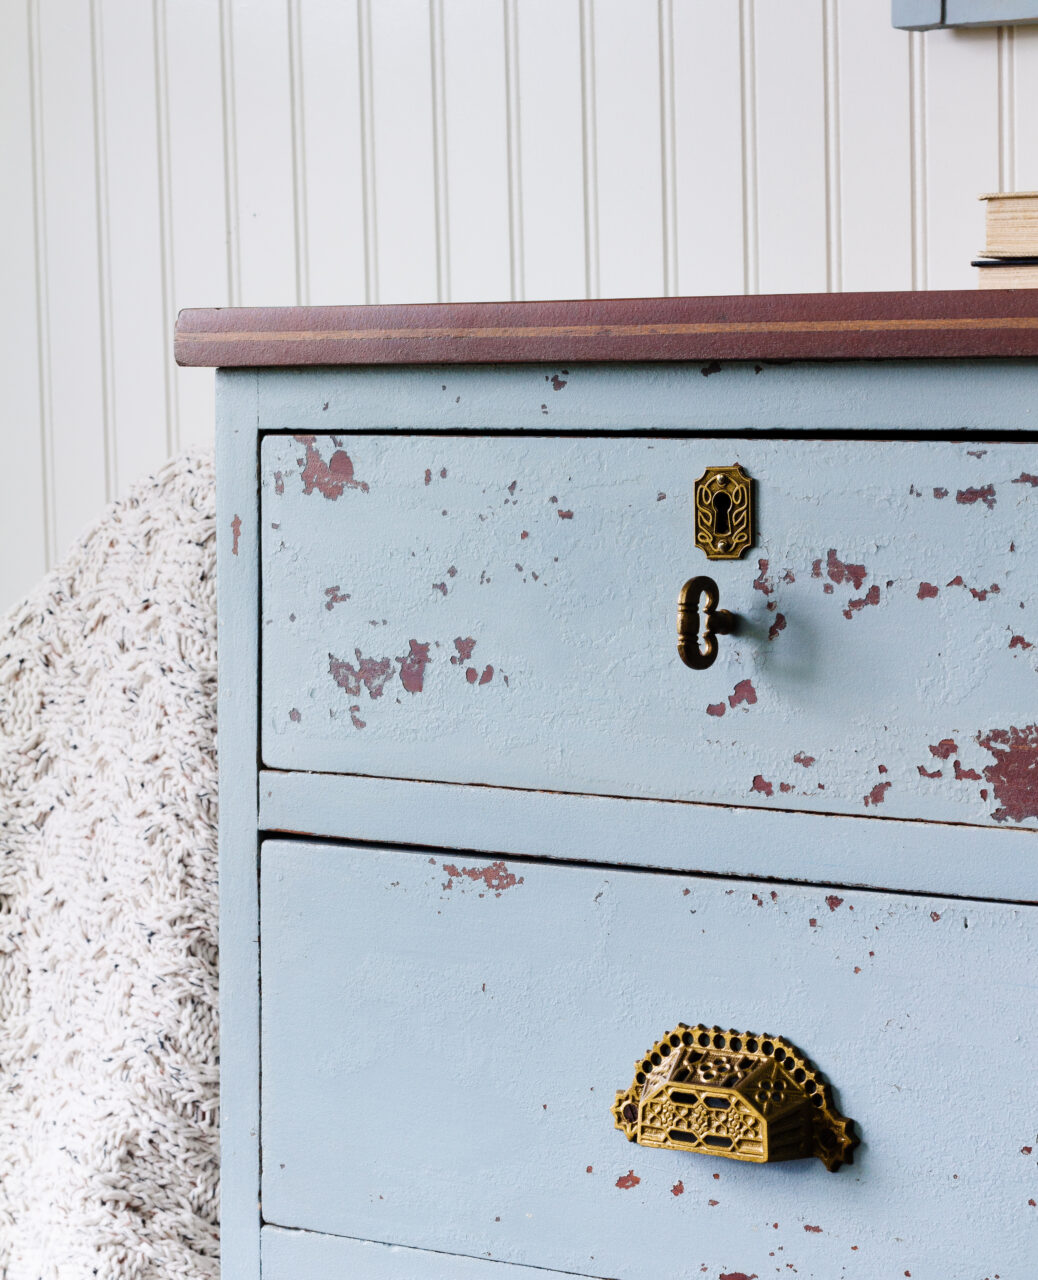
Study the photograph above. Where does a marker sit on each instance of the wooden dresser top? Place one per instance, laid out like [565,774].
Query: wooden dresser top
[806,326]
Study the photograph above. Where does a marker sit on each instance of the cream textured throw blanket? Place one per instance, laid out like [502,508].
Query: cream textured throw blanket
[108,1023]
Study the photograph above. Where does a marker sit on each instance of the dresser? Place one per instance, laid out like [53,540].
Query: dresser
[628,744]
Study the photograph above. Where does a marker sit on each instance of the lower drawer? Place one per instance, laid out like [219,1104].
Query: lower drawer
[443,1039]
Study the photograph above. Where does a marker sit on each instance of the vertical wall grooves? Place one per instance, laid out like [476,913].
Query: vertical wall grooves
[298,123]
[43,346]
[165,216]
[917,152]
[748,76]
[668,164]
[367,150]
[589,132]
[230,152]
[104,253]
[1006,113]
[513,142]
[833,184]
[439,143]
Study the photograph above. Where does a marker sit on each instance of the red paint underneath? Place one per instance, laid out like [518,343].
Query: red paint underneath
[1014,774]
[235,534]
[869,598]
[369,673]
[762,785]
[945,748]
[926,591]
[328,478]
[716,709]
[926,773]
[985,494]
[965,775]
[464,648]
[1025,478]
[778,625]
[878,793]
[412,667]
[840,572]
[807,1228]
[806,761]
[761,582]
[833,901]
[678,1189]
[628,1180]
[1018,642]
[743,692]
[496,877]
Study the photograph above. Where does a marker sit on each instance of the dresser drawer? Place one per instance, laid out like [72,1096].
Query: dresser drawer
[443,1038]
[501,610]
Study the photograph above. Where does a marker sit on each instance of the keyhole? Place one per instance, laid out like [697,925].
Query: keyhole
[722,505]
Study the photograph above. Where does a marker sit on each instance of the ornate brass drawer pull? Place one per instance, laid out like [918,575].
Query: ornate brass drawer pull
[734,1094]
[698,600]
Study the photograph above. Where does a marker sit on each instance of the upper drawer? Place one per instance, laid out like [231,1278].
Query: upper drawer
[502,610]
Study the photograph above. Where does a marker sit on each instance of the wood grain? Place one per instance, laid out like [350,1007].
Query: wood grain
[955,323]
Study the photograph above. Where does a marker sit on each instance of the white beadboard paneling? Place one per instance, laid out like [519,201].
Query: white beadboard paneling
[137,333]
[477,157]
[78,447]
[170,153]
[197,222]
[962,150]
[629,149]
[263,142]
[1024,105]
[708,157]
[874,149]
[551,131]
[329,167]
[791,145]
[403,169]
[23,515]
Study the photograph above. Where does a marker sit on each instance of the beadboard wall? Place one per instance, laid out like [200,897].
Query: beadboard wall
[159,154]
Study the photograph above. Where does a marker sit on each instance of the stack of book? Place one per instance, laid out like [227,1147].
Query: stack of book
[1010,256]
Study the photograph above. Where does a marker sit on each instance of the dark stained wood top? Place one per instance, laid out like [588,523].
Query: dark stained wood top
[804,326]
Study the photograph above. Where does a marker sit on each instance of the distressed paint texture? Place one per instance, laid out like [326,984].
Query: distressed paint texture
[439,1063]
[875,620]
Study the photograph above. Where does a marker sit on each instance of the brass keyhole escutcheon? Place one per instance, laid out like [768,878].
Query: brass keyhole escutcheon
[723,512]
[700,622]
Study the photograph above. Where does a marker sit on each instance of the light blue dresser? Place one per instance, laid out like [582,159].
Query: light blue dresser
[540,939]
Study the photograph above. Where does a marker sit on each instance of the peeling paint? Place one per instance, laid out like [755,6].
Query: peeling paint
[328,478]
[985,494]
[678,1189]
[279,483]
[762,582]
[412,667]
[628,1180]
[235,534]
[294,715]
[944,749]
[815,1229]
[370,673]
[1014,774]
[1025,478]
[833,901]
[926,591]
[334,597]
[871,597]
[965,775]
[806,761]
[878,794]
[464,648]
[762,785]
[940,493]
[565,515]
[778,625]
[839,571]
[743,692]
[497,878]
[1018,642]
[716,709]
[926,773]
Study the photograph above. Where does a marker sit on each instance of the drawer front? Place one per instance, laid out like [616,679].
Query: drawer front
[443,1038]
[502,611]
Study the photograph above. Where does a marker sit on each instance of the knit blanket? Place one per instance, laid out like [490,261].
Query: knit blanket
[108,995]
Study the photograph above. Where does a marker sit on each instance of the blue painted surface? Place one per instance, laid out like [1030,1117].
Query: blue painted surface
[442,1041]
[865,396]
[826,849]
[237,542]
[502,611]
[304,1255]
